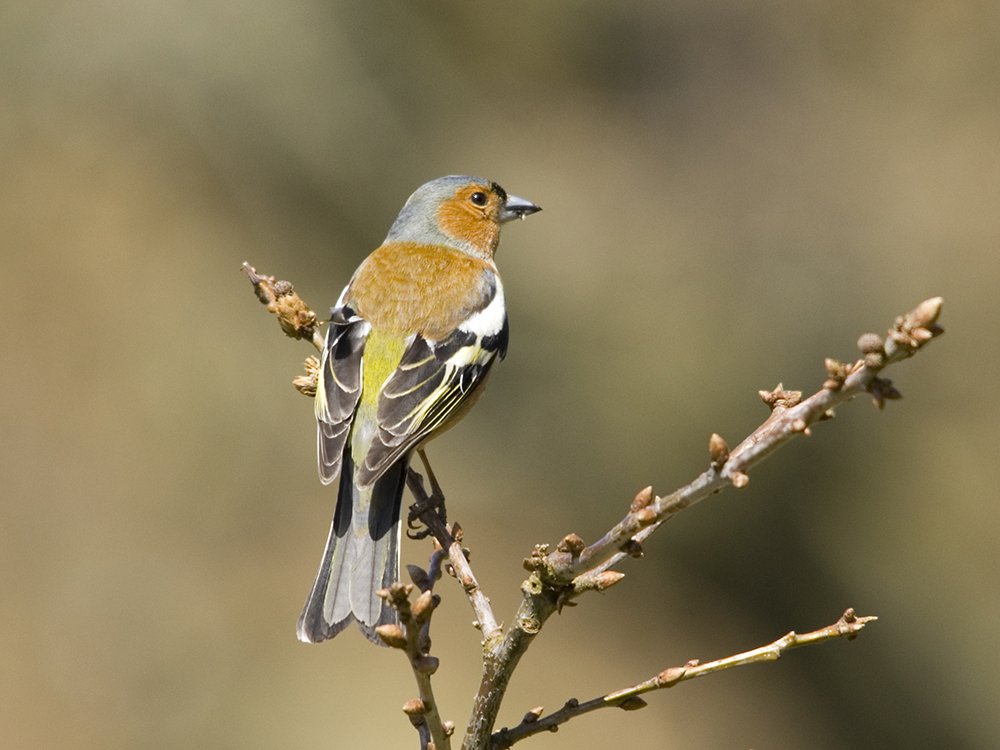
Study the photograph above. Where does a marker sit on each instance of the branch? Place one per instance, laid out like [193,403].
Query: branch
[413,636]
[558,576]
[790,417]
[848,626]
[426,509]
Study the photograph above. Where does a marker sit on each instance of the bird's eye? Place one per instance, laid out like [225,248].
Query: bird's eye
[478,198]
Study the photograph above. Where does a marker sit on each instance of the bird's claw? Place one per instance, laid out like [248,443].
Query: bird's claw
[434,502]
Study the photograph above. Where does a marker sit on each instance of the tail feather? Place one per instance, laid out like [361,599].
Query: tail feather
[361,557]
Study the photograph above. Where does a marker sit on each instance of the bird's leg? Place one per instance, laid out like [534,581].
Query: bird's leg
[421,504]
[437,494]
[433,502]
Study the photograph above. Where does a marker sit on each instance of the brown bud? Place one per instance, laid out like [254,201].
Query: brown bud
[874,360]
[900,336]
[424,605]
[392,635]
[836,374]
[426,664]
[718,450]
[633,703]
[399,591]
[739,479]
[414,707]
[533,715]
[670,677]
[596,581]
[294,315]
[642,498]
[779,397]
[927,312]
[306,384]
[283,288]
[448,727]
[607,579]
[537,559]
[870,342]
[646,516]
[572,544]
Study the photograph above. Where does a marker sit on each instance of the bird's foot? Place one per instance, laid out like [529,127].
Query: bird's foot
[418,525]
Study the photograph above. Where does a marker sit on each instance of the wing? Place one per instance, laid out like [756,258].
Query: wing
[429,387]
[338,387]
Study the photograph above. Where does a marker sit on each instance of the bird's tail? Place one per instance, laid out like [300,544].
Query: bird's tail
[361,557]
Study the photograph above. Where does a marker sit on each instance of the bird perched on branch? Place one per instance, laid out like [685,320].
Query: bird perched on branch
[410,343]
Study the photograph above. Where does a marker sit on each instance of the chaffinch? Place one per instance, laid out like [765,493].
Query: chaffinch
[410,344]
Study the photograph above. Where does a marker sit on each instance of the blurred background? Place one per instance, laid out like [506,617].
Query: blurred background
[731,194]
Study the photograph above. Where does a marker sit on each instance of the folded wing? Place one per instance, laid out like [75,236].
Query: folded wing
[338,388]
[429,387]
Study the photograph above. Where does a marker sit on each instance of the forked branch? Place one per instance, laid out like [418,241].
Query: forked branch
[574,567]
[412,636]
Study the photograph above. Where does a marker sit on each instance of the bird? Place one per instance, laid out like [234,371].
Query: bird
[410,343]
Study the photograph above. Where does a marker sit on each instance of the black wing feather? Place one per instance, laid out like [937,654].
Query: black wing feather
[338,388]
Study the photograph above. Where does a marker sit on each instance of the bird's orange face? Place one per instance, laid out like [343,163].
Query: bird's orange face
[472,215]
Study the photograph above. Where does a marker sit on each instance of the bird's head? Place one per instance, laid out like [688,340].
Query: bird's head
[461,212]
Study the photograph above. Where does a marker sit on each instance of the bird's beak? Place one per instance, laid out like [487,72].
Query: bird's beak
[517,208]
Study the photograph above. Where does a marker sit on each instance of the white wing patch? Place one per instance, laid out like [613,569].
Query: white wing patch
[490,320]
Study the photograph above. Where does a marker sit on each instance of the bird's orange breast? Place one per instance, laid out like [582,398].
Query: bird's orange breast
[427,289]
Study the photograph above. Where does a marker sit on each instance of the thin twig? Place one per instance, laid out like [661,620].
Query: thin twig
[413,637]
[790,417]
[848,626]
[426,510]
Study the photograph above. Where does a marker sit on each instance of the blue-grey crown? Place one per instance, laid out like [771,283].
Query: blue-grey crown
[417,221]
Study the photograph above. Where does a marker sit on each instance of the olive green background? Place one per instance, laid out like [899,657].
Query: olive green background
[731,193]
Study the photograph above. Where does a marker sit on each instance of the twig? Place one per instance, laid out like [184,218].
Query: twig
[295,317]
[572,568]
[790,417]
[425,509]
[413,636]
[848,626]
